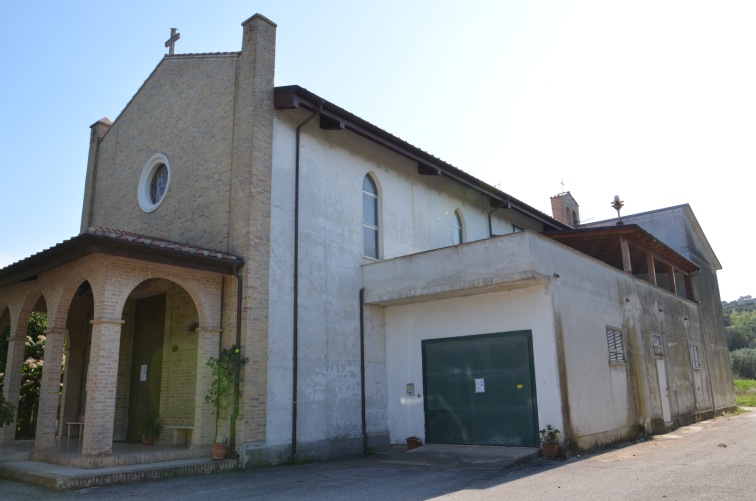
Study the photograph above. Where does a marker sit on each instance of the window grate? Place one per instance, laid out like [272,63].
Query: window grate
[616,348]
[695,362]
[658,347]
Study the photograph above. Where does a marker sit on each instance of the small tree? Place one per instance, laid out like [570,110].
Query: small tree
[31,375]
[226,376]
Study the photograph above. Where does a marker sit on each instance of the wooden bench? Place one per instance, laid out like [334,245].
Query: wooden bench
[182,435]
[80,430]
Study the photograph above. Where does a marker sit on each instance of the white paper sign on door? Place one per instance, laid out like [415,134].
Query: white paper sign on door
[480,385]
[143,373]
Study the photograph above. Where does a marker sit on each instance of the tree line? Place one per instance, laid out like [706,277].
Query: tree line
[740,325]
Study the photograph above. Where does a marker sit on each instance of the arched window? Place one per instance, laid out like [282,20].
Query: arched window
[370,217]
[574,219]
[457,234]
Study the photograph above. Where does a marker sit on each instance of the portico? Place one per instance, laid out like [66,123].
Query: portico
[92,288]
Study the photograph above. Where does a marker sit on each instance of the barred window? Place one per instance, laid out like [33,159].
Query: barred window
[616,348]
[695,362]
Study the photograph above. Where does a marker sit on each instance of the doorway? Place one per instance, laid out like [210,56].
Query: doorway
[661,376]
[479,390]
[146,362]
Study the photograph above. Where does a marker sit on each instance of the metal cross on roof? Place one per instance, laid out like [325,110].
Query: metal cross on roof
[172,41]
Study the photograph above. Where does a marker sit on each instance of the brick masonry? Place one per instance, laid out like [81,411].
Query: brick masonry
[194,296]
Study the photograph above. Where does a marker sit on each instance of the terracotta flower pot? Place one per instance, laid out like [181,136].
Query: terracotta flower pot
[550,451]
[147,439]
[219,451]
[413,443]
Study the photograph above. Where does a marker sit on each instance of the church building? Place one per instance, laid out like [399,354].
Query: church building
[378,292]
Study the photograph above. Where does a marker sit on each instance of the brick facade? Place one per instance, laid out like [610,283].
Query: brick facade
[96,374]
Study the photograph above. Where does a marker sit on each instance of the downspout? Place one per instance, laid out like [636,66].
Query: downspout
[362,371]
[295,329]
[504,205]
[232,431]
[706,358]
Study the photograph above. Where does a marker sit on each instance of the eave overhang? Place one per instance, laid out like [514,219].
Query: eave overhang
[122,244]
[603,244]
[294,96]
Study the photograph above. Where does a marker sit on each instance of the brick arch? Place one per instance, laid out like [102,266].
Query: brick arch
[31,302]
[58,314]
[202,301]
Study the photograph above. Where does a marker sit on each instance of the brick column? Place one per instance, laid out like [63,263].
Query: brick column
[49,394]
[249,230]
[69,406]
[101,386]
[14,365]
[204,414]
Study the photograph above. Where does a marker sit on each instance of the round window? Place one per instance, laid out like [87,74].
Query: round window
[154,182]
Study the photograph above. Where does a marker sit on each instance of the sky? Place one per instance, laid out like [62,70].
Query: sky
[654,101]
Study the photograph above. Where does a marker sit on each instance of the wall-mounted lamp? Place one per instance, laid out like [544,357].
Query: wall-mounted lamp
[192,326]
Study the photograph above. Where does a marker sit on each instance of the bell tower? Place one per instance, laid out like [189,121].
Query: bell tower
[565,209]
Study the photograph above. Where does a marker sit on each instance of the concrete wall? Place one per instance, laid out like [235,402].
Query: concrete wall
[678,228]
[408,325]
[415,214]
[598,401]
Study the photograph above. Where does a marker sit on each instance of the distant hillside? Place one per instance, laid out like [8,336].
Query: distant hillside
[742,305]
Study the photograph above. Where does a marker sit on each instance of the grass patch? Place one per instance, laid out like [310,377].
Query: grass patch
[745,392]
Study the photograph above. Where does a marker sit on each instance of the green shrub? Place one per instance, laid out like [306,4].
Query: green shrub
[744,363]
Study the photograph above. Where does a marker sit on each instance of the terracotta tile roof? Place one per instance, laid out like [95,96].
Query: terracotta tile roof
[120,243]
[161,243]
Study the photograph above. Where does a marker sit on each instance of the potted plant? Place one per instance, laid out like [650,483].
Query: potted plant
[413,442]
[550,441]
[150,429]
[226,377]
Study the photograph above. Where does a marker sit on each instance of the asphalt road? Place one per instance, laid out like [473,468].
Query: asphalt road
[714,459]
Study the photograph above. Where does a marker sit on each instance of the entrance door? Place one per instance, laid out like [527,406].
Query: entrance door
[479,390]
[146,362]
[661,372]
[661,376]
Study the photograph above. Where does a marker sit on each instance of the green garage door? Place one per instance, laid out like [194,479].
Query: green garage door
[479,390]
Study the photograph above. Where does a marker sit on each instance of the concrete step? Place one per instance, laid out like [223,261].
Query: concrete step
[123,455]
[58,477]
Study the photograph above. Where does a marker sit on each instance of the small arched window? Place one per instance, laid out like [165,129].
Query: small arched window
[370,217]
[574,219]
[457,233]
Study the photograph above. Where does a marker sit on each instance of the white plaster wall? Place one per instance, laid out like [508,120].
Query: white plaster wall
[605,401]
[408,325]
[589,296]
[416,214]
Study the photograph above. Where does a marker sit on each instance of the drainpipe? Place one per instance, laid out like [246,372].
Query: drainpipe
[504,205]
[362,371]
[295,330]
[706,358]
[232,431]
